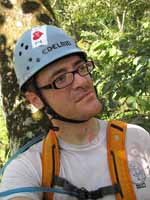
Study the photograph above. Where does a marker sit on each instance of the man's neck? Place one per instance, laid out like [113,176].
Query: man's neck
[81,133]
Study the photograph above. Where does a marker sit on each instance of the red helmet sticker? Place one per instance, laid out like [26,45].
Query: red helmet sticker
[37,35]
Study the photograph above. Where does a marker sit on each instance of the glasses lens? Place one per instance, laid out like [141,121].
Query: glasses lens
[90,66]
[64,80]
[85,68]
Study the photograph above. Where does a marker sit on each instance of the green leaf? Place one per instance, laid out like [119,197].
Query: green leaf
[106,87]
[136,60]
[113,51]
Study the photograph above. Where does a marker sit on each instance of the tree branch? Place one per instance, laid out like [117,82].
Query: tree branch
[47,5]
[123,21]
[54,3]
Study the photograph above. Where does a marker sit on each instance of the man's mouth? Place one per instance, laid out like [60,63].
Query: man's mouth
[84,95]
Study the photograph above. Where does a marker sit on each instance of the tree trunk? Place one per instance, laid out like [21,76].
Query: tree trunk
[15,18]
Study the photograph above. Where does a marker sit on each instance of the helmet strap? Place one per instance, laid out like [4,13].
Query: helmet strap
[49,110]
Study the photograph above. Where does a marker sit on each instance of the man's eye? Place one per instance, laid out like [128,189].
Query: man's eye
[61,79]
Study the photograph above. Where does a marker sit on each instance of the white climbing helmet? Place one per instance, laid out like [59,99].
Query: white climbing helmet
[39,47]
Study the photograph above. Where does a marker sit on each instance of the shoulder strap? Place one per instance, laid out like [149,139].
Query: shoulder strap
[117,160]
[50,162]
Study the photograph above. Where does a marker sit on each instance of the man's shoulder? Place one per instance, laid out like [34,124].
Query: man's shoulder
[32,151]
[27,159]
[134,132]
[137,136]
[137,130]
[36,147]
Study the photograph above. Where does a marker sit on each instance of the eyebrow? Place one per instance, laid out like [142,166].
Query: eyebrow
[64,70]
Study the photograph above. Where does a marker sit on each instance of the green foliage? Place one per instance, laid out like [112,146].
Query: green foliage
[3,139]
[116,36]
[123,67]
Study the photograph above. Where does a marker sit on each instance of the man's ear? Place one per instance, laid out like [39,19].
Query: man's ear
[34,99]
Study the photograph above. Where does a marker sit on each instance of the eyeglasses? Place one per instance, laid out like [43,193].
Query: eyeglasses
[67,78]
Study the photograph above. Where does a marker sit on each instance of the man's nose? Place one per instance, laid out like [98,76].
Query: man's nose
[79,80]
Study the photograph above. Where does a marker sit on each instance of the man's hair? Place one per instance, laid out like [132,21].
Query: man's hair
[28,86]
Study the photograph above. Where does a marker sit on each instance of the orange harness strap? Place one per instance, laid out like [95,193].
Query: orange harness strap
[50,162]
[117,160]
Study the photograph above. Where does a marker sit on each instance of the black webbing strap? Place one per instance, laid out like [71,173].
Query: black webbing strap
[82,193]
[116,172]
[49,110]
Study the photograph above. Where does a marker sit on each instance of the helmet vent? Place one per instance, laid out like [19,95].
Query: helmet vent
[30,59]
[20,53]
[22,44]
[26,47]
[27,67]
[38,60]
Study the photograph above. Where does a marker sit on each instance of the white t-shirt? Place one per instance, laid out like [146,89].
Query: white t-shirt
[83,165]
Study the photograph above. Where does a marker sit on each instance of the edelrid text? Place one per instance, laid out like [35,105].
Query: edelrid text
[56,46]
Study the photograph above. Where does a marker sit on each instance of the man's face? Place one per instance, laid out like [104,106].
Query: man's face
[76,101]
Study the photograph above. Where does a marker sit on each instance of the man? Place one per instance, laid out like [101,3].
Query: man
[54,73]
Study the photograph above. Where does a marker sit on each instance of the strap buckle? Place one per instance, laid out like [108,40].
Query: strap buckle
[84,194]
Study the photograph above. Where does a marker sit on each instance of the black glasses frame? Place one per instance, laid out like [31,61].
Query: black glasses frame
[53,84]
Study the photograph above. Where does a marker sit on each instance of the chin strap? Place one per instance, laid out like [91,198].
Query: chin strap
[55,115]
[49,110]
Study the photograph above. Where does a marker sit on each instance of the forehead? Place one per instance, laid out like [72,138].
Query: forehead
[62,64]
